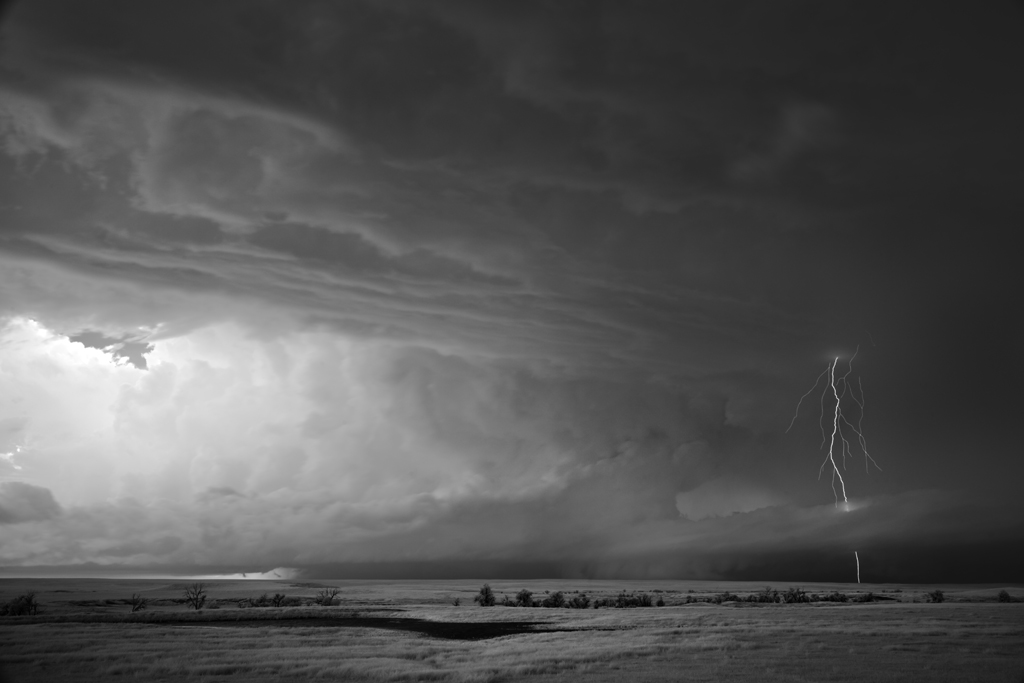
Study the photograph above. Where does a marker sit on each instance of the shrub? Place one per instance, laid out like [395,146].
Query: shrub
[22,605]
[660,602]
[624,600]
[485,598]
[279,600]
[195,596]
[325,597]
[936,596]
[456,602]
[555,599]
[137,602]
[794,594]
[767,594]
[524,598]
[1004,596]
[580,601]
[835,596]
[261,601]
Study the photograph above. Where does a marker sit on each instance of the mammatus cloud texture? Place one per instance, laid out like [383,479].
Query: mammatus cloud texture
[389,282]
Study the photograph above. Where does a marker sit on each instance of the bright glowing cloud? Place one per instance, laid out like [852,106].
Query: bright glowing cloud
[340,440]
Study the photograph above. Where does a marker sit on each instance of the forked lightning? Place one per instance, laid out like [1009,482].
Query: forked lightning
[839,420]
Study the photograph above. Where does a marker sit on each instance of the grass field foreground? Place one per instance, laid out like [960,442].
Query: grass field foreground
[72,640]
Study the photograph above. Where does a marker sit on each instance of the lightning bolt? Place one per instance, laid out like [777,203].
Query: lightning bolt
[840,387]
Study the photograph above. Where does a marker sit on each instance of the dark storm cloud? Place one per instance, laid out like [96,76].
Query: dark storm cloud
[587,256]
[351,253]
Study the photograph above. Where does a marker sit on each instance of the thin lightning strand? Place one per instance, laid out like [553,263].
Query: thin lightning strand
[797,413]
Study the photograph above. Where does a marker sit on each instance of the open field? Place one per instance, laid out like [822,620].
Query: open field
[411,631]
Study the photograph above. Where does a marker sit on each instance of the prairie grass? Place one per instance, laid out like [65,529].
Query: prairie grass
[878,642]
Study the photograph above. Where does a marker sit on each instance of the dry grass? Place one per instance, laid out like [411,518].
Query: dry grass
[897,641]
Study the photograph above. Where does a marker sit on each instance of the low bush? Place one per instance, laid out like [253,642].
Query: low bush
[261,601]
[935,596]
[485,598]
[555,599]
[1005,597]
[524,598]
[137,602]
[767,594]
[265,600]
[725,597]
[625,600]
[325,597]
[22,605]
[580,601]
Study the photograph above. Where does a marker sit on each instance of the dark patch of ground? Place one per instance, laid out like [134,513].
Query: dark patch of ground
[451,630]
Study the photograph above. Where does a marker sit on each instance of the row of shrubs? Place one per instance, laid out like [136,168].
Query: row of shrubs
[324,598]
[796,595]
[789,596]
[195,597]
[524,598]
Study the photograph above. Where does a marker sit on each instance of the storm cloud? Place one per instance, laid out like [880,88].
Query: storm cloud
[358,283]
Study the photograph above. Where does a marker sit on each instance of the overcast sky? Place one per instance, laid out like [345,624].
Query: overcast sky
[511,288]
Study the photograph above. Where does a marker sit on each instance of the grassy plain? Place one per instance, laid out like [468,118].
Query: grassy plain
[84,632]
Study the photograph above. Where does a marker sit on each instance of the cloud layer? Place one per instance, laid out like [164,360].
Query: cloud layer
[428,282]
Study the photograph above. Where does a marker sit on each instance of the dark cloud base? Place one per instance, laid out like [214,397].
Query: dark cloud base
[976,563]
[992,562]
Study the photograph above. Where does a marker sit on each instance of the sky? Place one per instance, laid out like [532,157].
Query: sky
[511,288]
